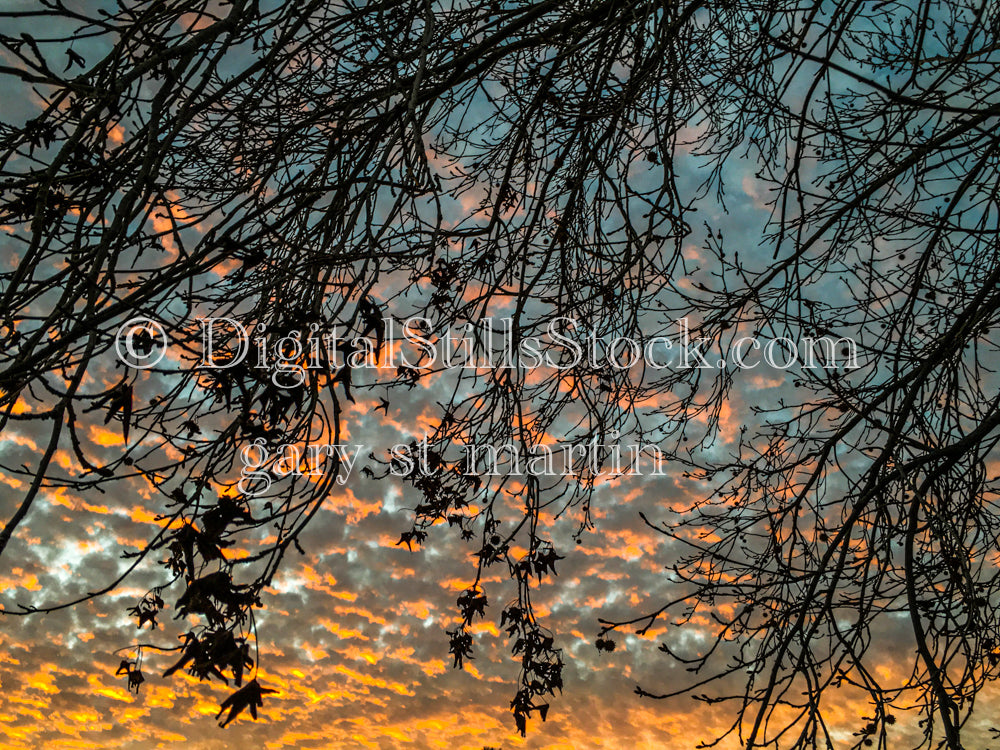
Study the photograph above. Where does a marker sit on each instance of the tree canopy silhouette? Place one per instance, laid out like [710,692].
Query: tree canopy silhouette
[419,168]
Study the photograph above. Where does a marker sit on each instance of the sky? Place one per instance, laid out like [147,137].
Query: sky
[352,632]
[352,637]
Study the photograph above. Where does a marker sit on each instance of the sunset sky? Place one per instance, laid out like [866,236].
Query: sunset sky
[351,634]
